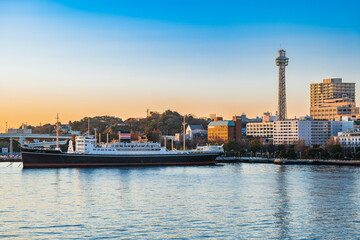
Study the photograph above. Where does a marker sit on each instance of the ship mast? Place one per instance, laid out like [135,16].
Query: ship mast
[57,130]
[184,124]
[88,127]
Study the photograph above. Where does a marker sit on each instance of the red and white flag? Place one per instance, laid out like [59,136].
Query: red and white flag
[125,136]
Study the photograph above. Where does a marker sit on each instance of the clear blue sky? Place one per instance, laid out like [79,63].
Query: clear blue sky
[86,58]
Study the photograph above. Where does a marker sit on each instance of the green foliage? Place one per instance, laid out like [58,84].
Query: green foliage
[317,152]
[357,155]
[283,154]
[255,145]
[232,146]
[338,155]
[153,135]
[47,128]
[335,149]
[291,152]
[167,123]
[101,123]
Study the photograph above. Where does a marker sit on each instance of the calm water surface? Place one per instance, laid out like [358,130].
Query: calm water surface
[234,201]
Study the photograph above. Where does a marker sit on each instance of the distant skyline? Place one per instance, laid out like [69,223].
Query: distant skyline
[118,58]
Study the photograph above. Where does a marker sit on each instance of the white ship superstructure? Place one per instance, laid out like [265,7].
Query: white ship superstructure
[89,145]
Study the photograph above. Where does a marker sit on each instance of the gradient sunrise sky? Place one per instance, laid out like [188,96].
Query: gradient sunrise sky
[87,58]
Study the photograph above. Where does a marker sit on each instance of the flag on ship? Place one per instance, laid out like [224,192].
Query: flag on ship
[125,136]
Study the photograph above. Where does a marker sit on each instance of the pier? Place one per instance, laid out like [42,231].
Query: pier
[287,161]
[23,136]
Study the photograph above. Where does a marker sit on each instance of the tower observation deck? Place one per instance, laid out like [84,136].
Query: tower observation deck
[282,61]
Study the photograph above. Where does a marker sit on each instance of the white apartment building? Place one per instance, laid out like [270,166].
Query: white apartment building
[349,139]
[311,131]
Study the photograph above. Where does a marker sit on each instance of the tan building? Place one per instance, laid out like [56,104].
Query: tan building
[335,109]
[330,89]
[220,131]
[332,99]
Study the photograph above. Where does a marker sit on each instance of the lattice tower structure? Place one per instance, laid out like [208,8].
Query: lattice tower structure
[282,61]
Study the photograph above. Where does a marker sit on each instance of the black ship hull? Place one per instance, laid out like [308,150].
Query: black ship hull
[55,159]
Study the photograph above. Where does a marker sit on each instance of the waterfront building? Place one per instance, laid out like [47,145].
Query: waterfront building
[335,109]
[245,120]
[195,131]
[311,131]
[349,139]
[262,129]
[342,126]
[220,131]
[179,137]
[332,99]
[19,130]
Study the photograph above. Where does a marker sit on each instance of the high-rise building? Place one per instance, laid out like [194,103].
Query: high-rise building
[332,99]
[331,88]
[282,61]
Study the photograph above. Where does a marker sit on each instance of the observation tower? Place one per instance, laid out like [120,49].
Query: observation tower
[282,61]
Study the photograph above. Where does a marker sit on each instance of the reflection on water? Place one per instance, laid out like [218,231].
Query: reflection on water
[230,201]
[282,202]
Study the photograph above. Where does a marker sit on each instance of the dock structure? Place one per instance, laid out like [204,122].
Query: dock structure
[288,161]
[23,136]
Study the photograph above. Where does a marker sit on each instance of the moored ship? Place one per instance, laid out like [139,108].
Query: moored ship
[89,153]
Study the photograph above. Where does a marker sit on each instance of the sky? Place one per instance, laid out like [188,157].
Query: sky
[119,58]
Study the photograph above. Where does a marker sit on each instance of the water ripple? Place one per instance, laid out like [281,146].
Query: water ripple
[235,201]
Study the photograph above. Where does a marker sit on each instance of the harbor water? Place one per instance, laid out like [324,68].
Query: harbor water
[232,201]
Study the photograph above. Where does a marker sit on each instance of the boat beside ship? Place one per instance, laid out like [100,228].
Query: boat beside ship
[89,153]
